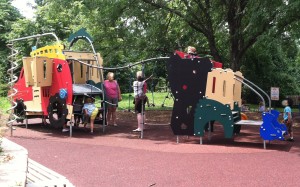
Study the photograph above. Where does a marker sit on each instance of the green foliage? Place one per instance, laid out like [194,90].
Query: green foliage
[273,63]
[8,14]
[257,37]
[4,104]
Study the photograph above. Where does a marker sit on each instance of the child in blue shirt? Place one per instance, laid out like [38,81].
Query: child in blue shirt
[287,117]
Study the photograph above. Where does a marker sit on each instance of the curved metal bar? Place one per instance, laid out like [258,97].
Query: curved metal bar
[269,99]
[122,67]
[262,98]
[35,36]
[101,79]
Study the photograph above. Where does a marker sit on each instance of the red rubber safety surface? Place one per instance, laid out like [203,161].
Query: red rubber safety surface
[119,157]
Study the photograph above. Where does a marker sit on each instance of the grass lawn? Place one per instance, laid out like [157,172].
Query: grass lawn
[4,105]
[157,100]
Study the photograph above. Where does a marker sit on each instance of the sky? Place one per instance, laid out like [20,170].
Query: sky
[24,7]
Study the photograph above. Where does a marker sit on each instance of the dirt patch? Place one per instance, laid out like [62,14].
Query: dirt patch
[164,116]
[152,116]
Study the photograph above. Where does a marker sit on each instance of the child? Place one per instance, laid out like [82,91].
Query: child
[77,110]
[90,110]
[287,117]
[261,107]
[139,89]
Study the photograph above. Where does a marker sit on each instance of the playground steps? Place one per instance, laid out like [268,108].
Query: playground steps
[40,176]
[236,116]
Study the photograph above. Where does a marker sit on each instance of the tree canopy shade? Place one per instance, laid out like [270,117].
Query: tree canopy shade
[240,23]
[8,14]
[260,38]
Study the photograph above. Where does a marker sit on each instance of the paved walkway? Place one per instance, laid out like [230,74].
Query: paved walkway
[39,175]
[120,158]
[16,169]
[13,166]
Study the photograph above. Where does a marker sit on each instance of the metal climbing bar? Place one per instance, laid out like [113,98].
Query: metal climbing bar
[35,36]
[244,79]
[12,91]
[121,67]
[240,80]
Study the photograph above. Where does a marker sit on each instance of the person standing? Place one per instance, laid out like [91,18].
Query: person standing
[287,117]
[113,96]
[139,92]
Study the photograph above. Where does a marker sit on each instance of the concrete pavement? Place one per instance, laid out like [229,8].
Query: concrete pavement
[17,170]
[13,166]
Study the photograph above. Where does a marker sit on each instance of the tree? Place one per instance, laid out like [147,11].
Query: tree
[8,14]
[239,22]
[233,32]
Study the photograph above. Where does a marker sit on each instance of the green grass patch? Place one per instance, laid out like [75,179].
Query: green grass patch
[255,107]
[4,104]
[157,100]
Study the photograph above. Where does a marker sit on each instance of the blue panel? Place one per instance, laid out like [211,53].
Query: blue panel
[271,129]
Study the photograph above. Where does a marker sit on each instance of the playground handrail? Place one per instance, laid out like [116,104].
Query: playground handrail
[35,36]
[269,99]
[122,67]
[241,80]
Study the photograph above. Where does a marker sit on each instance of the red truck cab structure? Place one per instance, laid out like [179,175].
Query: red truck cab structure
[52,77]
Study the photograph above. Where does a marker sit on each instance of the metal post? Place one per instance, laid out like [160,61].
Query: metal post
[265,147]
[177,139]
[72,120]
[104,113]
[209,131]
[201,140]
[143,120]
[11,129]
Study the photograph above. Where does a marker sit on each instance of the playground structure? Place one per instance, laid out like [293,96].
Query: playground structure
[52,78]
[205,93]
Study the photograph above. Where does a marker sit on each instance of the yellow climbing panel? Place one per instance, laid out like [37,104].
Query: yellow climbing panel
[53,51]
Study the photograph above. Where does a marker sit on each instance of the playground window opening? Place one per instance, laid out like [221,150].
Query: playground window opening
[214,85]
[81,70]
[224,88]
[45,68]
[233,89]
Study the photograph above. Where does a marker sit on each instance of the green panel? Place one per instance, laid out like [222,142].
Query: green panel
[210,110]
[80,34]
